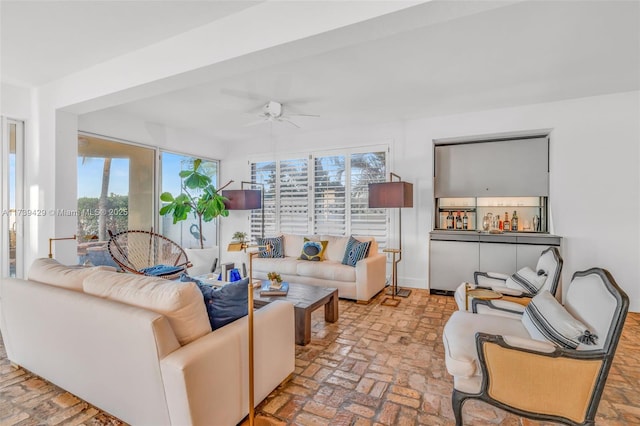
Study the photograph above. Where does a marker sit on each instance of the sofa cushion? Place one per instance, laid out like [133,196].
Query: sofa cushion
[313,250]
[284,266]
[547,320]
[335,246]
[224,304]
[527,280]
[292,244]
[461,356]
[181,303]
[52,272]
[355,251]
[276,247]
[327,270]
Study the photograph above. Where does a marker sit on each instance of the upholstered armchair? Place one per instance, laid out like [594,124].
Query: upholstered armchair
[551,364]
[516,289]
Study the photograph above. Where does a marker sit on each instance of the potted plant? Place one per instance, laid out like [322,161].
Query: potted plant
[239,237]
[199,197]
[275,278]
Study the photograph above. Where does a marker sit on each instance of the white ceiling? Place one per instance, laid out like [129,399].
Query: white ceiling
[42,41]
[522,53]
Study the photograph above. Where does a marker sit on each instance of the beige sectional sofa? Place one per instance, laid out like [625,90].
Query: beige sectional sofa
[141,348]
[360,283]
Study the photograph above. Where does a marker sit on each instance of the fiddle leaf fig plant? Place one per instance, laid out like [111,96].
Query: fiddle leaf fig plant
[199,197]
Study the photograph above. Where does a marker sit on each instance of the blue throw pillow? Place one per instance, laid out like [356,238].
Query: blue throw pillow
[355,251]
[225,304]
[161,270]
[277,247]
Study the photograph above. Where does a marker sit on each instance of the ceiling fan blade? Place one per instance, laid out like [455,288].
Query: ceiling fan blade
[243,94]
[289,121]
[303,115]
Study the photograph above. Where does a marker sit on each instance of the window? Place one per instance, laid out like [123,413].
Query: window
[115,193]
[324,194]
[185,233]
[11,157]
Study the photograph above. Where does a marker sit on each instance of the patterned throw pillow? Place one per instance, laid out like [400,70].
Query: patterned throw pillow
[547,320]
[277,247]
[527,280]
[355,251]
[225,304]
[313,250]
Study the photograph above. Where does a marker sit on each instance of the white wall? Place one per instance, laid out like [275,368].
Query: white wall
[15,101]
[594,179]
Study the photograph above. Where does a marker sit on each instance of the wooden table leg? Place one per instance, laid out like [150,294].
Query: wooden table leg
[303,326]
[331,309]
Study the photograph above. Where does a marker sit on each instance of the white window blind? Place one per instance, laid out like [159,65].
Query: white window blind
[328,194]
[264,173]
[330,215]
[367,168]
[293,200]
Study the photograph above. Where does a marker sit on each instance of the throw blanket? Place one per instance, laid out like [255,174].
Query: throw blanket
[161,270]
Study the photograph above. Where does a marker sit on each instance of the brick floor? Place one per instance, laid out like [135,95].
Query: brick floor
[377,365]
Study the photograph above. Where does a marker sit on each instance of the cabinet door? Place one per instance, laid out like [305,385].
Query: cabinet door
[496,257]
[518,167]
[528,255]
[451,263]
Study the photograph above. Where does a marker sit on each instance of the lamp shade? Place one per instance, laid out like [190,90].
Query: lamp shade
[243,199]
[390,194]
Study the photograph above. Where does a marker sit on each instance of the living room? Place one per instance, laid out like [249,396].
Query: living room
[392,74]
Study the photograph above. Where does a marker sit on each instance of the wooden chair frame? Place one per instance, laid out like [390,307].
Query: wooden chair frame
[604,356]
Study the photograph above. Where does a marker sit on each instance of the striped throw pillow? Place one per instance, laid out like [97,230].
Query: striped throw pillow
[527,280]
[547,320]
[276,247]
[355,251]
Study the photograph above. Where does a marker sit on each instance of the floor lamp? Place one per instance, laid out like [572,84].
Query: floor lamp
[398,195]
[244,246]
[246,199]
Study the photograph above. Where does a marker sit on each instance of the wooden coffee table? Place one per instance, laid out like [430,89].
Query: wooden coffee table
[305,299]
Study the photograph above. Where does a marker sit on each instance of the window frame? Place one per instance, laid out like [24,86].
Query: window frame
[311,198]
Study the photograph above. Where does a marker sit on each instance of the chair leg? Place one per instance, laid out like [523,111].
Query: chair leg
[457,400]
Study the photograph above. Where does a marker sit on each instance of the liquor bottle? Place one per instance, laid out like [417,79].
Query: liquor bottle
[459,221]
[514,221]
[506,225]
[500,224]
[450,221]
[465,221]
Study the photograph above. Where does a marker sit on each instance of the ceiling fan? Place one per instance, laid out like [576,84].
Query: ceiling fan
[274,111]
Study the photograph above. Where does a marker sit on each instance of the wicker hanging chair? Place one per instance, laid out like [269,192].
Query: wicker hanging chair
[140,251]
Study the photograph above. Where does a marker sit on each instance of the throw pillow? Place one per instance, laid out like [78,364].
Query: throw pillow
[161,270]
[547,320]
[527,280]
[277,247]
[313,250]
[355,251]
[225,304]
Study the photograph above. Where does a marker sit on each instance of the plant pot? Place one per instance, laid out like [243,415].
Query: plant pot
[201,259]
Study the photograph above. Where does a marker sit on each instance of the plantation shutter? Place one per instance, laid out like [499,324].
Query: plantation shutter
[328,195]
[294,196]
[367,168]
[330,214]
[264,173]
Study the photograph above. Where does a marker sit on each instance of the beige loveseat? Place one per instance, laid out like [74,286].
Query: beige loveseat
[159,365]
[360,283]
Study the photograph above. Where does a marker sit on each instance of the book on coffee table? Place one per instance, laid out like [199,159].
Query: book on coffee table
[266,289]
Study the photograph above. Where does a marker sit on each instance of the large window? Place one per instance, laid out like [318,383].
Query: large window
[11,145]
[186,233]
[322,194]
[115,193]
